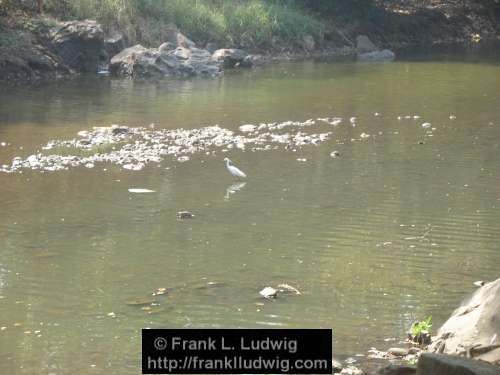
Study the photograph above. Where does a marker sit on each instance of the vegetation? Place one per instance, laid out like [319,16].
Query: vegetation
[420,331]
[246,23]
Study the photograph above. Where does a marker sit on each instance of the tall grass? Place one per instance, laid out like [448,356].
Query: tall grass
[240,23]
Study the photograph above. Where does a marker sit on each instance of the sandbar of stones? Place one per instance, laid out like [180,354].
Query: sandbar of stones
[133,148]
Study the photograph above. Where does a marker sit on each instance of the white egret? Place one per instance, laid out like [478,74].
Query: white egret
[233,169]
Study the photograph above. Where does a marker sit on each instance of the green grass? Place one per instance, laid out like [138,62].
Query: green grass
[241,23]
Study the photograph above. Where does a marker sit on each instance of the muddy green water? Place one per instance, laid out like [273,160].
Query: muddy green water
[390,232]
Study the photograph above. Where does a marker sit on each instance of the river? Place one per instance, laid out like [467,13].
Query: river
[395,229]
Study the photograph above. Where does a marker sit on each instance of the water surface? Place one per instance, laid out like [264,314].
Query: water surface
[395,229]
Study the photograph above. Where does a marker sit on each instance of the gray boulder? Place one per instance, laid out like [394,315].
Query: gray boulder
[79,44]
[377,56]
[474,328]
[141,62]
[439,364]
[367,51]
[364,44]
[232,57]
[137,61]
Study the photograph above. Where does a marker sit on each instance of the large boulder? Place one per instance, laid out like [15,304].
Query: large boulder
[190,62]
[364,44]
[138,61]
[367,51]
[79,44]
[232,57]
[474,328]
[439,364]
[29,64]
[141,62]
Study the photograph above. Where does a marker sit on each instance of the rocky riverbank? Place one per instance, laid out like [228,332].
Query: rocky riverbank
[467,343]
[40,48]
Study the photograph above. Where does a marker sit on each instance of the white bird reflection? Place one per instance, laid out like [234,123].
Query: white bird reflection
[232,189]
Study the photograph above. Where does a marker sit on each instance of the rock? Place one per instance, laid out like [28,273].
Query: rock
[351,370]
[308,43]
[178,39]
[336,365]
[269,292]
[364,44]
[166,47]
[474,328]
[287,288]
[377,56]
[232,57]
[247,128]
[140,191]
[29,64]
[137,61]
[114,44]
[211,47]
[185,215]
[399,352]
[79,44]
[394,369]
[440,364]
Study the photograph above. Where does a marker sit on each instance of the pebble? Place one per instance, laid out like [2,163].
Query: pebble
[185,215]
[398,352]
[140,190]
[269,292]
[247,128]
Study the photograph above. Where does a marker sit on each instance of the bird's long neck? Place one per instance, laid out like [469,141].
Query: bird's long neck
[228,163]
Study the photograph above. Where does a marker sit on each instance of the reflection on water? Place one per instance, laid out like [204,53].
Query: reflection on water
[396,228]
[234,188]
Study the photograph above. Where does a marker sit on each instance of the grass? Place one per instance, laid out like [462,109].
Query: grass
[239,23]
[420,331]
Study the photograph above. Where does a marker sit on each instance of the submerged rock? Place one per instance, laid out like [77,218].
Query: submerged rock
[140,191]
[269,292]
[377,56]
[185,215]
